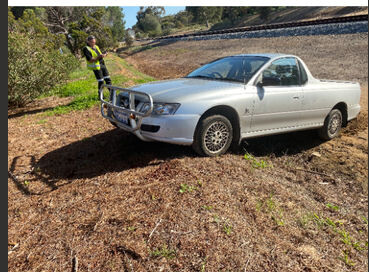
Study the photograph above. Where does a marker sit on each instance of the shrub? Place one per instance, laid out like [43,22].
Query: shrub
[34,67]
[151,25]
[128,39]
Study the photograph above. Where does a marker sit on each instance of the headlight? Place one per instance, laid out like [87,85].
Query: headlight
[161,108]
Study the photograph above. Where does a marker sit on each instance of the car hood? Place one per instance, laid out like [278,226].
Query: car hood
[185,89]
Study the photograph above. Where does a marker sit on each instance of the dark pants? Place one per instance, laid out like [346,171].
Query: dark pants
[102,75]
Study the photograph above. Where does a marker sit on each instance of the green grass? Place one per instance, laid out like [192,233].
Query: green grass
[186,188]
[271,207]
[141,77]
[206,207]
[80,102]
[41,122]
[336,228]
[76,88]
[260,164]
[227,228]
[82,85]
[332,207]
[119,80]
[164,252]
[80,73]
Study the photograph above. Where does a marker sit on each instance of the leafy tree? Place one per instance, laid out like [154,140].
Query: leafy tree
[151,25]
[167,23]
[148,21]
[234,14]
[206,14]
[31,24]
[76,23]
[128,39]
[183,17]
[113,18]
[18,11]
[35,64]
[264,12]
[156,11]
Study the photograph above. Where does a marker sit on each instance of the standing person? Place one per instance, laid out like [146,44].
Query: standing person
[95,61]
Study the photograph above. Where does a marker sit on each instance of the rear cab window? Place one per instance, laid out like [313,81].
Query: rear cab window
[282,72]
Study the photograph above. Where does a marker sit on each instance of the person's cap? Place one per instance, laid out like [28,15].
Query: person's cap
[91,37]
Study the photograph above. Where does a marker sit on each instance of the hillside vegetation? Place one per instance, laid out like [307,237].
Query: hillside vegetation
[194,19]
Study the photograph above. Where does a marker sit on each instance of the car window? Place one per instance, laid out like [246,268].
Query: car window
[282,72]
[229,68]
[239,68]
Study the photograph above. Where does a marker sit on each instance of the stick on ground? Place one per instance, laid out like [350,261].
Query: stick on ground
[75,264]
[152,232]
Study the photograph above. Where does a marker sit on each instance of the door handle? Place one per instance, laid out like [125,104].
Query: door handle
[296,97]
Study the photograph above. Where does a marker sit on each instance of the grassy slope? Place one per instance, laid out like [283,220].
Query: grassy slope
[83,85]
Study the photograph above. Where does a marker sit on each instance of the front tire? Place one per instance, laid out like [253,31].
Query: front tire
[213,136]
[332,125]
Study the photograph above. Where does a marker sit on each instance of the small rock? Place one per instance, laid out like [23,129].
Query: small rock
[316,154]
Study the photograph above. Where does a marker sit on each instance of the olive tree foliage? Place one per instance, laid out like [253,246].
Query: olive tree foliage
[264,12]
[171,23]
[183,18]
[76,23]
[151,25]
[113,18]
[35,64]
[205,14]
[128,39]
[234,14]
[148,21]
[227,17]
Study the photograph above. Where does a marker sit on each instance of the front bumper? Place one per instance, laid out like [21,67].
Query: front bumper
[175,129]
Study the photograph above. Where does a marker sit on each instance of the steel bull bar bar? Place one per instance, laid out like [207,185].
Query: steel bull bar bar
[135,116]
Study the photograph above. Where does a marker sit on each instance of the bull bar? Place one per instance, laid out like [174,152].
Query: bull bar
[134,115]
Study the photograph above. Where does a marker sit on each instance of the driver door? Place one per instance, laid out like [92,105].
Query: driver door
[278,97]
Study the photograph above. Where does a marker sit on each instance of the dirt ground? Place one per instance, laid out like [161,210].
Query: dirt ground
[81,190]
[342,57]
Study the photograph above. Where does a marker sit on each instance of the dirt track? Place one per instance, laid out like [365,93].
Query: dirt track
[79,187]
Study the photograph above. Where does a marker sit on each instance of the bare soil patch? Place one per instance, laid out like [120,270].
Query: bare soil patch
[341,57]
[79,188]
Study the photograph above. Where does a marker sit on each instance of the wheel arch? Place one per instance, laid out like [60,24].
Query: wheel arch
[342,106]
[229,113]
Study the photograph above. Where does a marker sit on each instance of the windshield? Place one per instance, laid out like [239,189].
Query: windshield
[238,68]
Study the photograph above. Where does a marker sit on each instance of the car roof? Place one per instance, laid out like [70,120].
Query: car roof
[267,55]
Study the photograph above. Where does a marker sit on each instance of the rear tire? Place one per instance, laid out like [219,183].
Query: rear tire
[332,125]
[213,136]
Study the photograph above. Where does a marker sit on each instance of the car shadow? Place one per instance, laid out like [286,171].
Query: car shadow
[111,151]
[281,144]
[116,151]
[22,113]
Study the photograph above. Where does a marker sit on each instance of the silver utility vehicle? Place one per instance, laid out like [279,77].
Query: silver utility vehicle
[230,99]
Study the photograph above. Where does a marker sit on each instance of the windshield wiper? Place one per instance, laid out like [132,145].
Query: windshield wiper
[228,79]
[200,76]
